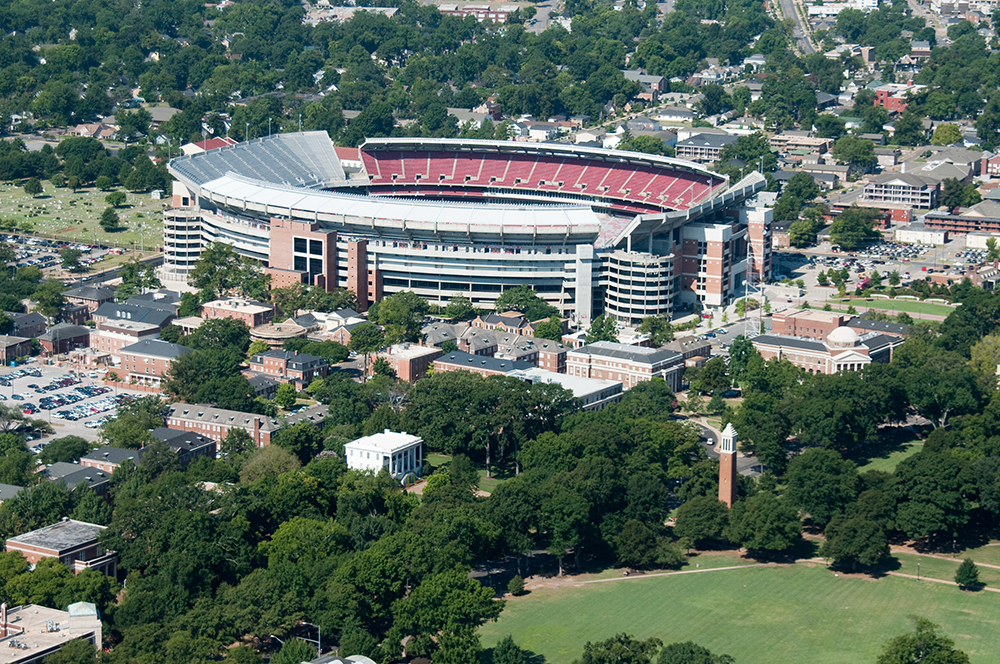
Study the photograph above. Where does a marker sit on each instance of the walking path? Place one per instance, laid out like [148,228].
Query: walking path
[687,571]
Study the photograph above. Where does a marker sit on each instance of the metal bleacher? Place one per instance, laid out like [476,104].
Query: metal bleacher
[304,159]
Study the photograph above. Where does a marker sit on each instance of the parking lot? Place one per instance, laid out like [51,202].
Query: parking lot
[74,403]
[44,254]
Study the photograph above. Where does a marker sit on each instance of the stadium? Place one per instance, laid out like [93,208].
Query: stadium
[592,231]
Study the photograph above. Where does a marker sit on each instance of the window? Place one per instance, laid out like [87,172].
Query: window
[316,247]
[299,245]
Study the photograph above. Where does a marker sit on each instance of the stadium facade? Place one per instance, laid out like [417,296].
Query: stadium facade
[592,231]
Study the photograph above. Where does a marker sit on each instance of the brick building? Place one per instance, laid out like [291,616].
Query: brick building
[481,364]
[842,350]
[148,361]
[629,364]
[807,323]
[249,311]
[64,337]
[91,297]
[215,423]
[410,362]
[73,543]
[137,313]
[305,253]
[113,335]
[12,348]
[293,367]
[27,325]
[542,353]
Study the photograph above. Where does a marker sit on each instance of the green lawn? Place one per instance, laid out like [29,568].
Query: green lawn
[762,615]
[936,568]
[889,462]
[892,306]
[74,216]
[989,554]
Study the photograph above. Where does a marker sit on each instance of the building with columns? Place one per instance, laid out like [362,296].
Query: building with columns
[843,349]
[400,454]
[727,466]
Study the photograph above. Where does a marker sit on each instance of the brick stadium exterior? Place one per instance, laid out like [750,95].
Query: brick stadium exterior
[591,230]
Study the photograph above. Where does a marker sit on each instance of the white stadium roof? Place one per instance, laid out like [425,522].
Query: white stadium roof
[233,190]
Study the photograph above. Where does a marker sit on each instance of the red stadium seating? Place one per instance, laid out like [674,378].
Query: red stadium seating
[639,188]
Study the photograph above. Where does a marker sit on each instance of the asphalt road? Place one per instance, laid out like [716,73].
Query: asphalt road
[800,31]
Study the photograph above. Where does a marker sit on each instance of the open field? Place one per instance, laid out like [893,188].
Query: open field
[760,615]
[889,462]
[988,555]
[936,568]
[74,216]
[892,306]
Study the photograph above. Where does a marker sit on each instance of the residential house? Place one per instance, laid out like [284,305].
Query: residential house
[652,85]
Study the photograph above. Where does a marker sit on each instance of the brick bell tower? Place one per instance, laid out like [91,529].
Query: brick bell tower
[727,466]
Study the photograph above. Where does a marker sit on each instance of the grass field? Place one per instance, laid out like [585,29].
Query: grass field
[936,568]
[989,555]
[762,615]
[889,462]
[74,216]
[892,306]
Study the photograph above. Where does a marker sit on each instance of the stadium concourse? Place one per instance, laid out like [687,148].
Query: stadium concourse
[592,231]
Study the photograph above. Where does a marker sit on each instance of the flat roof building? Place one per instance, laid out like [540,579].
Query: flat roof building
[400,454]
[33,632]
[73,543]
[594,393]
[483,365]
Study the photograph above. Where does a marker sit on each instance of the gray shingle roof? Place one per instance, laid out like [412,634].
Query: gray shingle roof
[65,331]
[115,455]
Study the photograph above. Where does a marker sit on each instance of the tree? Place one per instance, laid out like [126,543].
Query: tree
[701,518]
[858,152]
[70,258]
[659,329]
[459,308]
[946,134]
[131,429]
[303,439]
[854,540]
[110,221]
[221,270]
[33,187]
[854,227]
[286,396]
[237,441]
[763,522]
[220,334]
[115,199]
[255,348]
[525,300]
[603,328]
[687,652]
[967,575]
[550,329]
[382,367]
[367,339]
[294,651]
[67,449]
[821,484]
[620,649]
[895,278]
[268,461]
[645,144]
[49,296]
[924,644]
[506,651]
[103,183]
[77,651]
[400,315]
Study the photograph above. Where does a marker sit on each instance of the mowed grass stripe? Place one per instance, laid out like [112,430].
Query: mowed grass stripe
[783,615]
